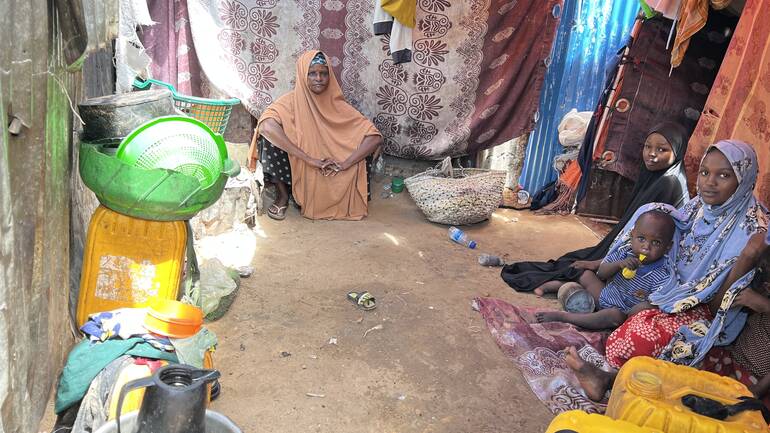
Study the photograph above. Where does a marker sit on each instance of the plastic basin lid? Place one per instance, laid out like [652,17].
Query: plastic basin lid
[173,318]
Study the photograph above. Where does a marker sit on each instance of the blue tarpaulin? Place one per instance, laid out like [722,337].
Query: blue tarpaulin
[590,34]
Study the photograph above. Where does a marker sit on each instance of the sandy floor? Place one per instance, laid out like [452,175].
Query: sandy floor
[428,364]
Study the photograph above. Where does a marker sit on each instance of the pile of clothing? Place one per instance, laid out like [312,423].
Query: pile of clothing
[117,345]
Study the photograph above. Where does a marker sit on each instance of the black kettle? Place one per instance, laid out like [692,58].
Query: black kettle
[174,402]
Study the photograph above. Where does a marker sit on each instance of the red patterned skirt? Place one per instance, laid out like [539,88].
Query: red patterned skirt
[647,332]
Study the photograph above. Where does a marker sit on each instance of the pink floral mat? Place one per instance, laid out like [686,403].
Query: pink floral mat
[538,351]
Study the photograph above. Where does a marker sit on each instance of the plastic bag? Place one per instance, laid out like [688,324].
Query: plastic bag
[218,287]
[572,128]
[560,161]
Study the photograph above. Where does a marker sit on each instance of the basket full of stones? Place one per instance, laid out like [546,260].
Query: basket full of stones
[456,196]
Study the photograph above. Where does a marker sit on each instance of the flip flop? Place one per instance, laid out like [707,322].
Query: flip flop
[276,212]
[363,300]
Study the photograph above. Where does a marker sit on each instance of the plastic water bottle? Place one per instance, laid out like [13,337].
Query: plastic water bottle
[461,237]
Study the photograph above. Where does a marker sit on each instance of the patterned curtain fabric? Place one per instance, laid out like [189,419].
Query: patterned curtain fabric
[169,44]
[589,35]
[738,104]
[473,83]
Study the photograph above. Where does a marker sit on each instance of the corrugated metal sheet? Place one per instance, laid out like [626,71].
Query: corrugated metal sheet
[589,35]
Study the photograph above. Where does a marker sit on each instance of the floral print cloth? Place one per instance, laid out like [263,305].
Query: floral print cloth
[474,80]
[538,351]
[737,106]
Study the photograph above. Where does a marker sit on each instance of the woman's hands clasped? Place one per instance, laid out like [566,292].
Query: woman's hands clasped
[328,167]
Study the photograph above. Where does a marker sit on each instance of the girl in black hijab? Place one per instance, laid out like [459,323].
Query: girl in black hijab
[661,180]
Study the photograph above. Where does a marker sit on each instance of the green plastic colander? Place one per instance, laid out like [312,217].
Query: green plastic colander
[177,143]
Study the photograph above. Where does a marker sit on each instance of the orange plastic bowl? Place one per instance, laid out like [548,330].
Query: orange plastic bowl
[173,318]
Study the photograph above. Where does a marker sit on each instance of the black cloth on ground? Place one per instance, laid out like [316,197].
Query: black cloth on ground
[543,197]
[665,186]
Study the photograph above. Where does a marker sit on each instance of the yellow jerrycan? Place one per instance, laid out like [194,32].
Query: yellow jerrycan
[129,260]
[648,392]
[577,421]
[133,399]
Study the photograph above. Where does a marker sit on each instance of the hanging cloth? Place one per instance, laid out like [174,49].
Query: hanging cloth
[397,19]
[402,10]
[667,8]
[692,17]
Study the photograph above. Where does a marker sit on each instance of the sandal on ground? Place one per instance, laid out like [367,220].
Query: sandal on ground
[363,300]
[277,212]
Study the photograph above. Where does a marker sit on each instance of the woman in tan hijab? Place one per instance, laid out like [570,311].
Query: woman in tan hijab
[326,142]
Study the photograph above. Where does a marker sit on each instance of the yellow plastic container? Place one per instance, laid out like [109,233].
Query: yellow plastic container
[577,421]
[648,392]
[133,400]
[129,260]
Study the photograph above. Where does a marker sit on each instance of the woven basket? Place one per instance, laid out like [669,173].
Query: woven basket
[457,196]
[215,113]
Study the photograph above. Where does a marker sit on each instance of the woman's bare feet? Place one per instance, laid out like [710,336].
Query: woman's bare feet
[548,287]
[595,382]
[549,316]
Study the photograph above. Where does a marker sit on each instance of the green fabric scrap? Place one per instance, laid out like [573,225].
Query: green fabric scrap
[86,360]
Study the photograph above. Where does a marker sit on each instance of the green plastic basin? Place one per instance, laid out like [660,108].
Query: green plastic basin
[155,194]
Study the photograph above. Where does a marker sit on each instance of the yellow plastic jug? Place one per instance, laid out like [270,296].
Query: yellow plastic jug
[133,400]
[648,392]
[129,260]
[577,421]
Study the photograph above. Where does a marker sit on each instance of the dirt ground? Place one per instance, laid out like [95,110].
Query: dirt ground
[429,366]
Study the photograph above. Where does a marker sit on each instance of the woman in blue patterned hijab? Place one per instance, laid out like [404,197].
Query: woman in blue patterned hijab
[712,262]
[713,228]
